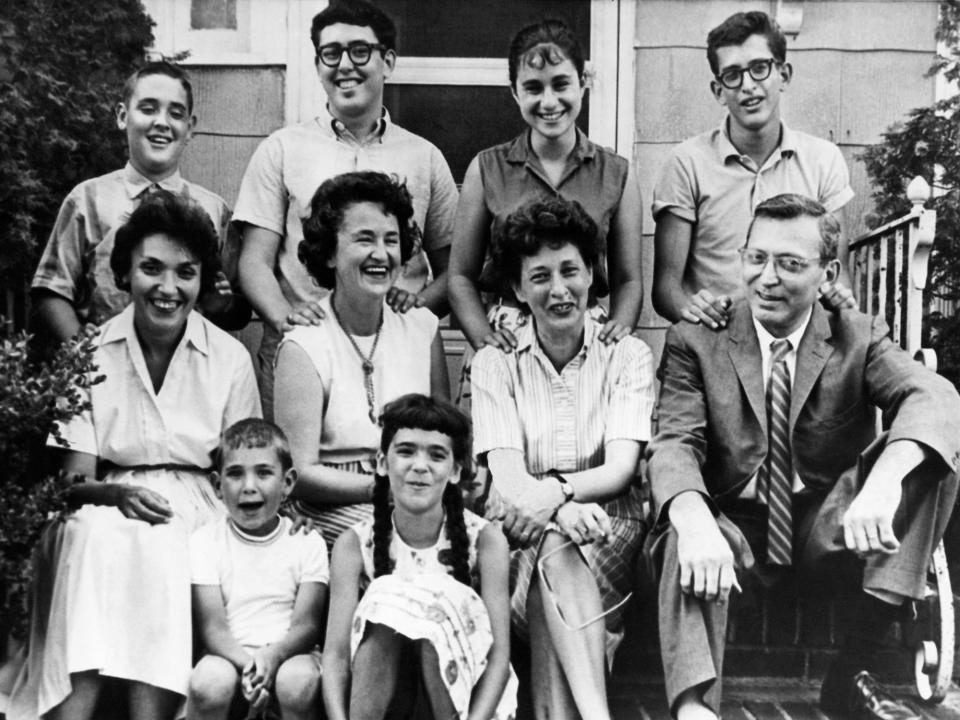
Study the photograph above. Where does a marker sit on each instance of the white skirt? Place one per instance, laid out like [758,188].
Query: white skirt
[112,594]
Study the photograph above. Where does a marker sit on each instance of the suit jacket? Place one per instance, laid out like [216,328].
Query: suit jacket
[712,412]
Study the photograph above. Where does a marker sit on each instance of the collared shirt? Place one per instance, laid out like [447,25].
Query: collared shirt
[513,176]
[209,385]
[766,353]
[707,182]
[76,260]
[562,420]
[288,167]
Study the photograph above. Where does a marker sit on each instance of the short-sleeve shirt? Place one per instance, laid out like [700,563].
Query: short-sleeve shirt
[401,365]
[708,182]
[258,576]
[289,166]
[513,176]
[209,385]
[562,420]
[76,261]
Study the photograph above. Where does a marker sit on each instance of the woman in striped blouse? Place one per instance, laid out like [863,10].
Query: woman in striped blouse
[562,420]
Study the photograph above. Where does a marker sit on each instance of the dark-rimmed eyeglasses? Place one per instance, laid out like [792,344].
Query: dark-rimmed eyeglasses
[732,77]
[359,52]
[789,264]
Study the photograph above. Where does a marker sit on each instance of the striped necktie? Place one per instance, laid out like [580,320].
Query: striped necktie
[778,465]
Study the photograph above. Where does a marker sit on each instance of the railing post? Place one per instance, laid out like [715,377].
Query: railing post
[919,244]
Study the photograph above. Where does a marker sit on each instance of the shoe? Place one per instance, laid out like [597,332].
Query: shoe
[863,697]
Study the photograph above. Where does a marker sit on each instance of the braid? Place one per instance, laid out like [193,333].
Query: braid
[459,557]
[382,526]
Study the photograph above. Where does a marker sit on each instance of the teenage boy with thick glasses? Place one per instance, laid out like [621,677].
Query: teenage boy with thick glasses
[355,45]
[707,191]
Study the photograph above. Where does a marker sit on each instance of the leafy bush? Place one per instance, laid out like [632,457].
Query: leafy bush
[62,67]
[927,144]
[34,399]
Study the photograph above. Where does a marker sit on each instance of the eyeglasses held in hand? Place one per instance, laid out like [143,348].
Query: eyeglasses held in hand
[789,264]
[359,53]
[548,587]
[732,78]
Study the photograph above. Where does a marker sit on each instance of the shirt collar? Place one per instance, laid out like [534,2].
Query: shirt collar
[765,338]
[135,183]
[521,151]
[122,329]
[726,150]
[526,336]
[337,129]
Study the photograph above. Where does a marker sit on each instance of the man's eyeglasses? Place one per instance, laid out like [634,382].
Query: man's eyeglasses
[788,264]
[732,78]
[359,52]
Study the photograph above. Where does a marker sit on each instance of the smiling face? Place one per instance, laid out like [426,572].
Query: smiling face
[420,464]
[780,299]
[549,97]
[164,281]
[252,485]
[353,91]
[555,283]
[754,105]
[368,250]
[158,125]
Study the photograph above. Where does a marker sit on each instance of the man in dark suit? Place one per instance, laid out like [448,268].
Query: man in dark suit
[766,457]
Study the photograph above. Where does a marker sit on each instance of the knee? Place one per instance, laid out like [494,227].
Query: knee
[213,683]
[297,683]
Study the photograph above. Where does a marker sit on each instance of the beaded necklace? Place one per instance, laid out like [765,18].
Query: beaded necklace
[366,361]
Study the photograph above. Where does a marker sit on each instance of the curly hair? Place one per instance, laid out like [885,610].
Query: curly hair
[330,203]
[738,27]
[253,433]
[553,223]
[425,413]
[180,219]
[548,42]
[355,12]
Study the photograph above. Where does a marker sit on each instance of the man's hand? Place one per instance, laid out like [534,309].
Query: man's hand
[834,297]
[705,557]
[140,503]
[707,309]
[613,332]
[868,522]
[221,285]
[401,300]
[528,513]
[303,313]
[502,339]
[584,522]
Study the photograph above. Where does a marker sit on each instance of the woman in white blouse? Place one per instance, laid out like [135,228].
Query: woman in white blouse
[562,420]
[112,589]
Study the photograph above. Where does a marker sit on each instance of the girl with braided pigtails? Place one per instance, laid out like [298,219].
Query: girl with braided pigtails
[419,611]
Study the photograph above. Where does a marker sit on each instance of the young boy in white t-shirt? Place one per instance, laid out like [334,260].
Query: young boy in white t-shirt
[258,590]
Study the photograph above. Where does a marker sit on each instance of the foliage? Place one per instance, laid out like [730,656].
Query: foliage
[62,66]
[927,143]
[34,399]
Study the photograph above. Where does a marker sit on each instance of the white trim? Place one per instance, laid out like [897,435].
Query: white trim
[627,80]
[603,91]
[303,94]
[450,71]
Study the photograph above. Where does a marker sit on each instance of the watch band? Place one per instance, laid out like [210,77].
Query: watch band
[565,487]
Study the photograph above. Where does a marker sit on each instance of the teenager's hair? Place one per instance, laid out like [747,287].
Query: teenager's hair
[159,67]
[355,12]
[330,203]
[553,222]
[789,206]
[738,27]
[546,42]
[177,217]
[253,433]
[415,411]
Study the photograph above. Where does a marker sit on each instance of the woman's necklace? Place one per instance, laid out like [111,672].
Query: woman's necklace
[366,360]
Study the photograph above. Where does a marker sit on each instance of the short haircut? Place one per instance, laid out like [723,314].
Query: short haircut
[178,217]
[420,412]
[159,67]
[330,203]
[738,27]
[790,206]
[546,42]
[553,222]
[253,433]
[355,12]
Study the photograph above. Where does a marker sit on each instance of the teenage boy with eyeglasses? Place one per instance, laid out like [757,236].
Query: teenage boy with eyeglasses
[355,44]
[705,195]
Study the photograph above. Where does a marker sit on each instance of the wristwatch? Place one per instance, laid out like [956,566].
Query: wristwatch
[565,487]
